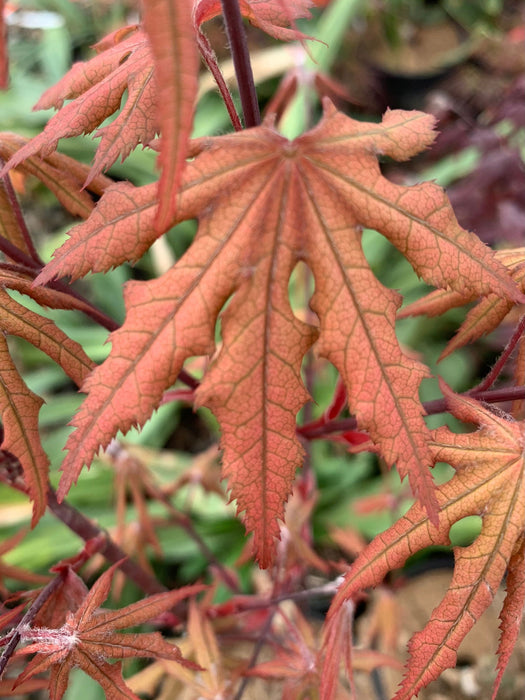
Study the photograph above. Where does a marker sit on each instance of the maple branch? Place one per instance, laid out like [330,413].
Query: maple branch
[84,528]
[28,618]
[90,310]
[325,590]
[502,359]
[17,211]
[315,431]
[241,61]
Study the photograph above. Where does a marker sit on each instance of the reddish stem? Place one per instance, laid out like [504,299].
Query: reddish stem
[17,211]
[27,266]
[209,57]
[314,431]
[502,360]
[28,618]
[241,60]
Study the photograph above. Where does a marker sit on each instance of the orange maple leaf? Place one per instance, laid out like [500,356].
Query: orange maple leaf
[168,24]
[489,482]
[19,407]
[272,16]
[89,636]
[45,335]
[485,317]
[299,662]
[265,203]
[202,645]
[64,176]
[156,101]
[96,88]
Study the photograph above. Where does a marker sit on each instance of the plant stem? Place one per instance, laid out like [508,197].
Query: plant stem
[208,55]
[241,61]
[17,211]
[184,522]
[28,618]
[314,431]
[30,264]
[263,634]
[502,359]
[28,267]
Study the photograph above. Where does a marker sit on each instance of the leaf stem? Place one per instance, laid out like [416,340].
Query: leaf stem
[502,359]
[209,58]
[28,263]
[184,522]
[27,266]
[259,644]
[241,61]
[17,211]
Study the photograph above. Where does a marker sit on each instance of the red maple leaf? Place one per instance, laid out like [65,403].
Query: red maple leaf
[89,636]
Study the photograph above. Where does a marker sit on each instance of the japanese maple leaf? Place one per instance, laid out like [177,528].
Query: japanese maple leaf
[265,203]
[96,87]
[489,482]
[89,636]
[134,481]
[19,407]
[485,317]
[161,85]
[299,662]
[202,644]
[64,176]
[272,16]
[169,27]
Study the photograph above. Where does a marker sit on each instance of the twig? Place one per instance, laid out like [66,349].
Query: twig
[28,618]
[184,522]
[33,267]
[326,590]
[256,651]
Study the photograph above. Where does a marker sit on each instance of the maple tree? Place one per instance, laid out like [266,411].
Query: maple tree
[265,205]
